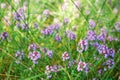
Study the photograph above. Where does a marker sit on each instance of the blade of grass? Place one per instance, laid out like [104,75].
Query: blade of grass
[8,74]
[34,77]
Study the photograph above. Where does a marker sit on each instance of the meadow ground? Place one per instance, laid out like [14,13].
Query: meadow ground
[59,39]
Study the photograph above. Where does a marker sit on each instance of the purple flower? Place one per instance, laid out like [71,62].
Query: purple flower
[82,45]
[19,15]
[71,63]
[102,36]
[50,53]
[117,26]
[18,25]
[46,12]
[103,49]
[110,38]
[34,56]
[54,27]
[4,35]
[35,25]
[77,3]
[66,20]
[100,71]
[86,69]
[65,56]
[109,63]
[50,29]
[87,12]
[19,55]
[32,46]
[91,35]
[25,26]
[57,37]
[50,69]
[92,23]
[55,68]
[96,45]
[81,66]
[47,31]
[71,35]
[44,50]
[111,52]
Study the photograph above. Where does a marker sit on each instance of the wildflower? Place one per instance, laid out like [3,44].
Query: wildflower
[111,52]
[57,37]
[102,36]
[46,12]
[19,15]
[100,71]
[81,66]
[71,63]
[116,39]
[34,56]
[71,35]
[92,23]
[110,38]
[49,69]
[91,35]
[115,10]
[55,68]
[35,25]
[87,12]
[18,24]
[47,31]
[44,50]
[96,45]
[3,5]
[25,26]
[77,3]
[109,63]
[32,46]
[19,55]
[66,20]
[103,49]
[54,27]
[82,45]
[4,35]
[117,26]
[50,53]
[86,69]
[38,17]
[65,6]
[65,56]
